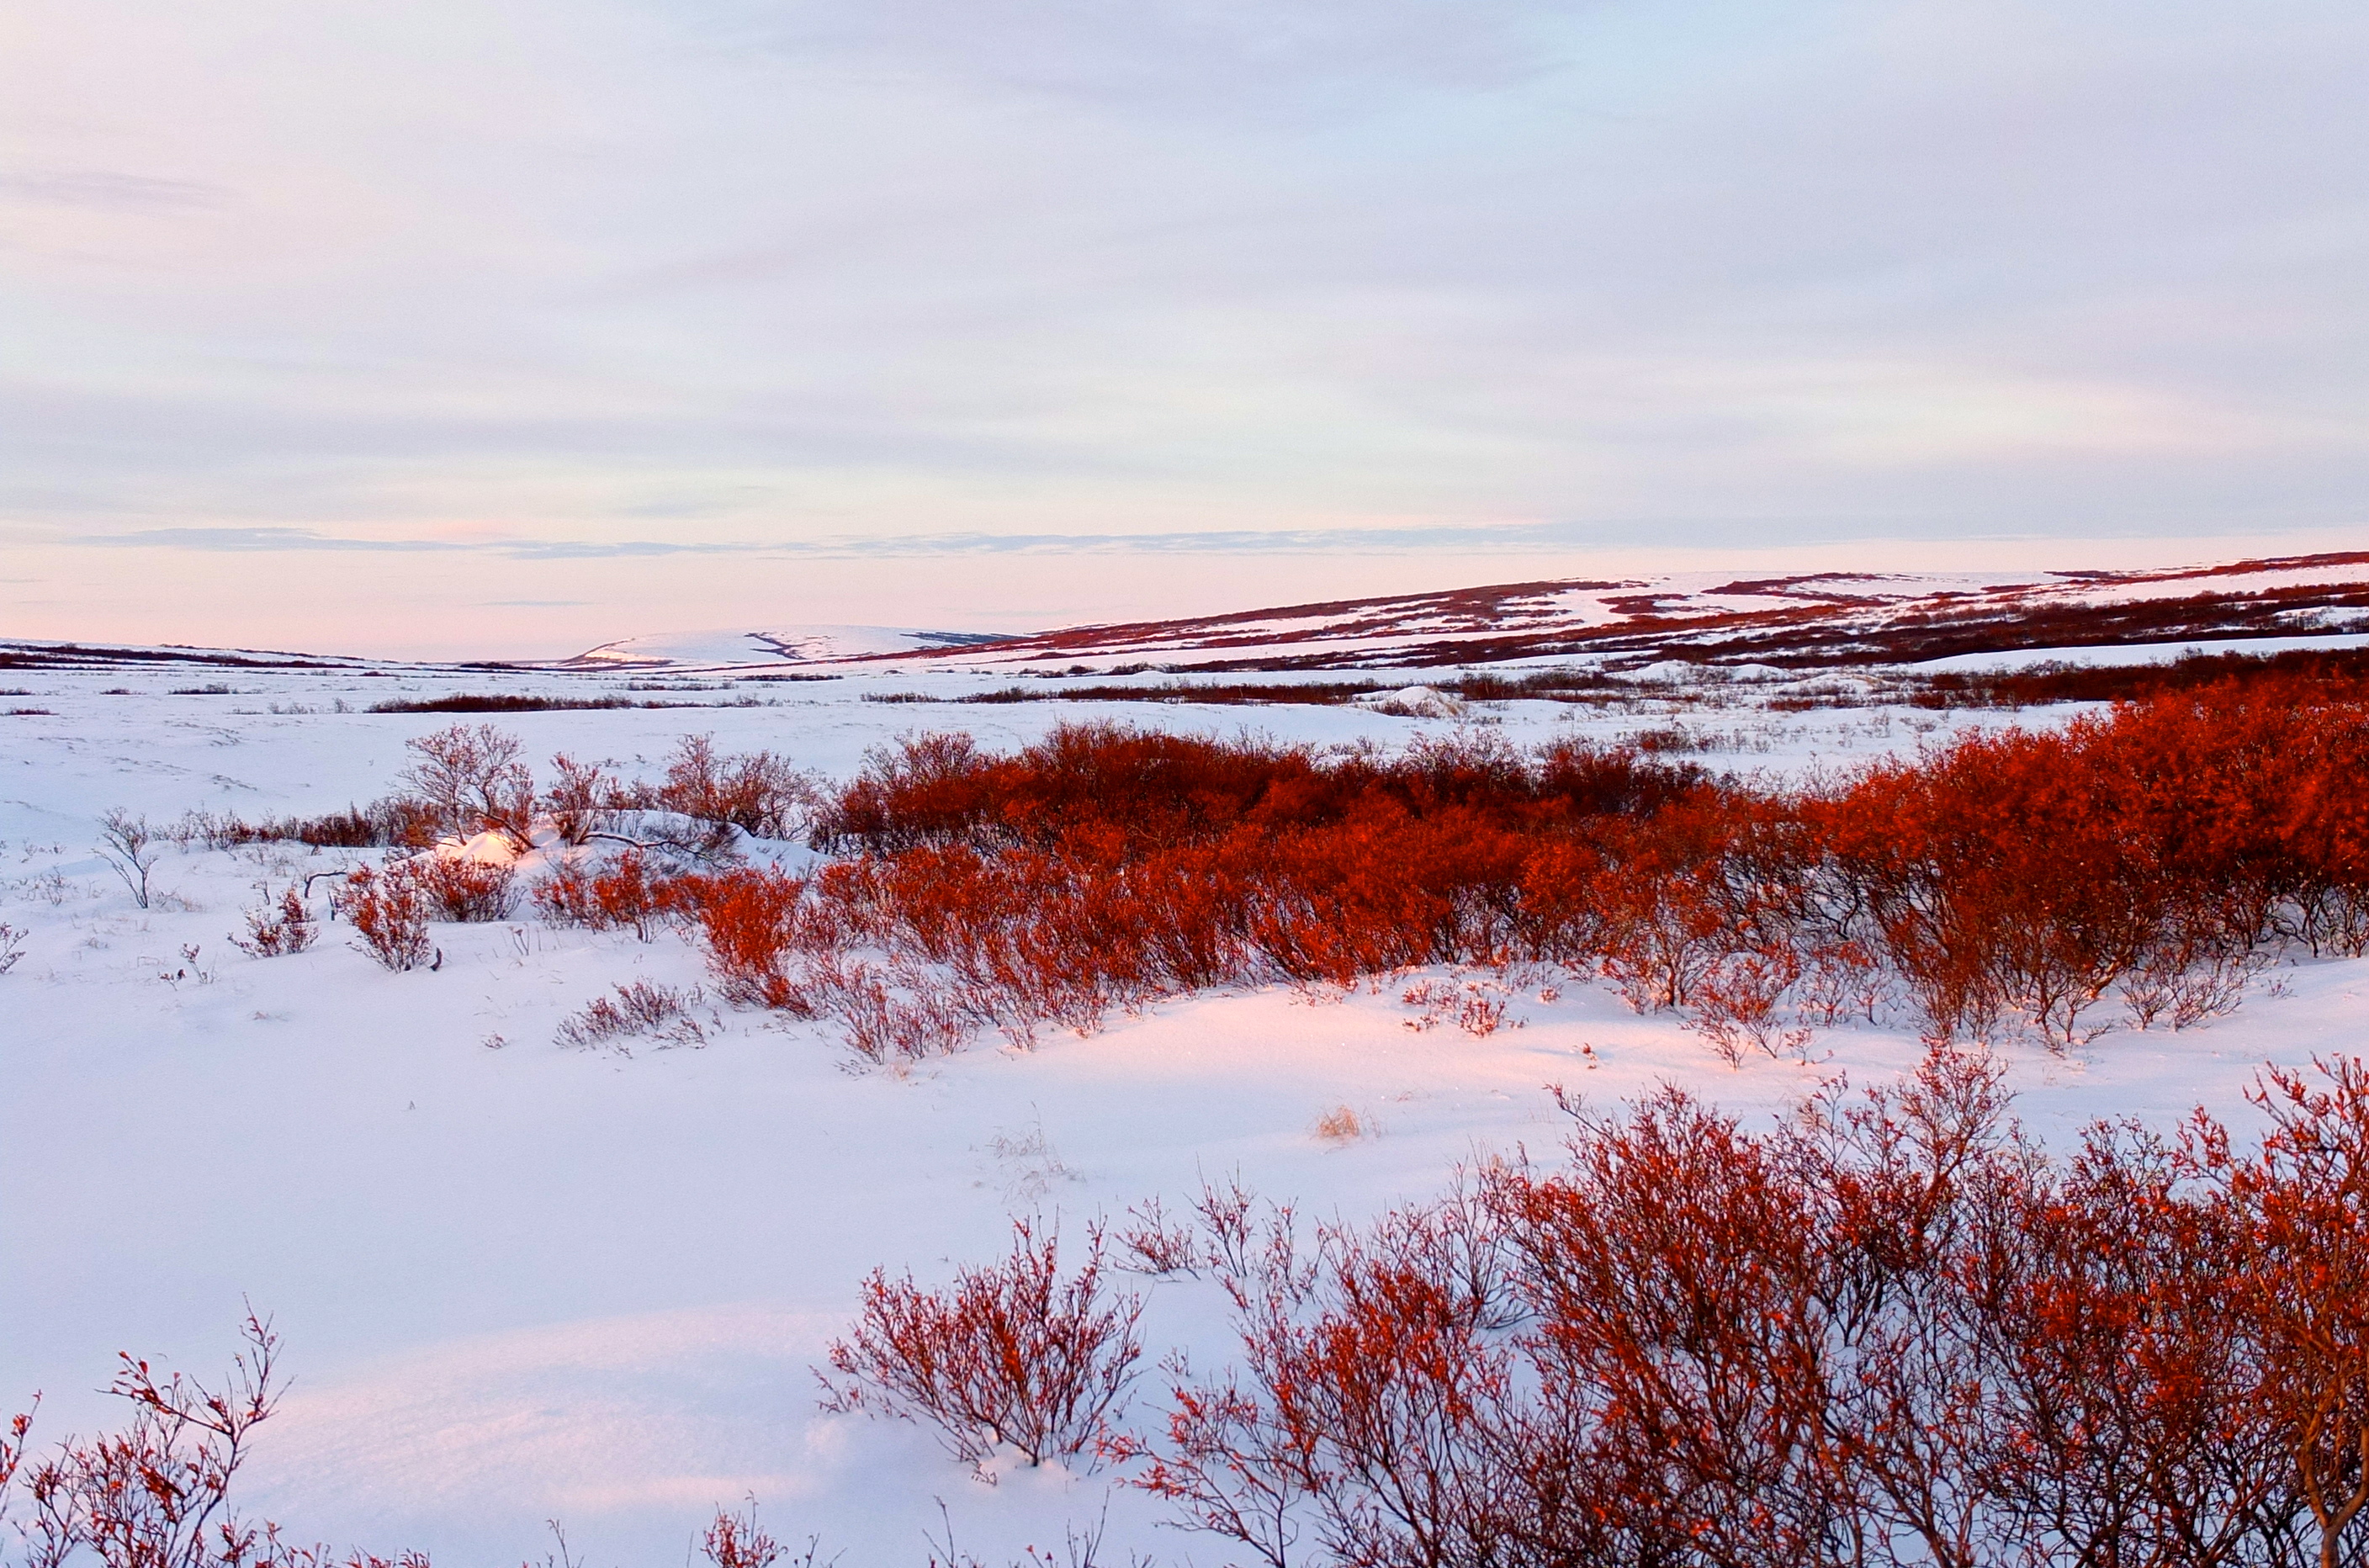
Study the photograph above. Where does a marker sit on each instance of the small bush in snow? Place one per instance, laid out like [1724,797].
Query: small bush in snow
[579,799]
[466,891]
[737,1540]
[629,891]
[389,912]
[12,946]
[640,1009]
[129,847]
[285,926]
[155,1495]
[158,1494]
[758,793]
[1340,1124]
[471,777]
[1012,1354]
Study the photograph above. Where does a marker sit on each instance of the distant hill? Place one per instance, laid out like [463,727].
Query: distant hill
[1787,622]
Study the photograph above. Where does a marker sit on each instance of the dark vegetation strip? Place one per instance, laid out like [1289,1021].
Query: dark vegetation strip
[2034,686]
[503,703]
[2113,683]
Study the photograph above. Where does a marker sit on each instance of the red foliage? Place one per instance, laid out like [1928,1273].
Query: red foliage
[276,928]
[627,891]
[753,924]
[1012,1354]
[1887,1331]
[2150,856]
[389,912]
[459,889]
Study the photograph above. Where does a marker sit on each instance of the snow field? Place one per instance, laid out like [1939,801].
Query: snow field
[523,1282]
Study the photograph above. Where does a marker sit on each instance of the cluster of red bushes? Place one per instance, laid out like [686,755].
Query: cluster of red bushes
[1890,1330]
[2153,856]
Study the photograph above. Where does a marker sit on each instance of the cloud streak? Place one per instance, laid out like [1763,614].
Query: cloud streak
[1222,542]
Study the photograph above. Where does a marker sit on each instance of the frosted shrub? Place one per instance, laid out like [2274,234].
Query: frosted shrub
[465,890]
[389,912]
[640,1009]
[285,926]
[129,847]
[472,778]
[1012,1354]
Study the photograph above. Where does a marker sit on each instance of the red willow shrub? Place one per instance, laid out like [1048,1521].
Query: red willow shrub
[389,912]
[279,926]
[1015,1353]
[631,890]
[461,889]
[156,1494]
[1889,1330]
[2154,857]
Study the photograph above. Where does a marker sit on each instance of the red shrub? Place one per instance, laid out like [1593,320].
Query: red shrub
[1012,1354]
[1889,1332]
[629,891]
[2298,1209]
[158,1492]
[2144,857]
[758,793]
[459,889]
[579,798]
[389,912]
[751,922]
[286,926]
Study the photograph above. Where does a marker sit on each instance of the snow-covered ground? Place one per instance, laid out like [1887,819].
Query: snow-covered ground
[790,645]
[521,1282]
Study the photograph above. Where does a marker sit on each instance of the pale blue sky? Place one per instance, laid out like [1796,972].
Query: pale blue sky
[504,327]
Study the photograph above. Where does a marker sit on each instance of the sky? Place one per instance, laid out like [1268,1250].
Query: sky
[502,327]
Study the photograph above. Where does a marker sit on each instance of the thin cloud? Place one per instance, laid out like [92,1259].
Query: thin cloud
[1220,542]
[108,189]
[238,540]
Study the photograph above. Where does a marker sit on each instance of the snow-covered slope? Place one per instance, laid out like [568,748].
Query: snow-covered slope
[782,645]
[1801,620]
[522,1282]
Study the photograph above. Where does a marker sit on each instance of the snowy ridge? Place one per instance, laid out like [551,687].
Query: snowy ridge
[1798,621]
[784,644]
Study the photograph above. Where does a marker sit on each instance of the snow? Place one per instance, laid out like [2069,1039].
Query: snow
[1413,702]
[717,650]
[521,1282]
